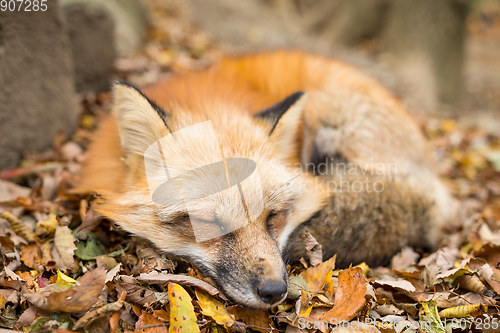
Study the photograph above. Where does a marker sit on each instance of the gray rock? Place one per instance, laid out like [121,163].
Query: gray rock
[91,31]
[249,25]
[36,81]
[131,21]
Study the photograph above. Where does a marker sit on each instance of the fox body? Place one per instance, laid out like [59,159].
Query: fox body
[298,117]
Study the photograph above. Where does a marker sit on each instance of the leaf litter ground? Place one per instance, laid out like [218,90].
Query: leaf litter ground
[64,268]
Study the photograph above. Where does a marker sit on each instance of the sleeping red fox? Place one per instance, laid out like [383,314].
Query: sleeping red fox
[266,146]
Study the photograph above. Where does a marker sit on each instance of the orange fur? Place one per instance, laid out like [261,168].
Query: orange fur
[346,114]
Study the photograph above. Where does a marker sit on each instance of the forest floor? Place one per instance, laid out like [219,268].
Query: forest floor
[64,268]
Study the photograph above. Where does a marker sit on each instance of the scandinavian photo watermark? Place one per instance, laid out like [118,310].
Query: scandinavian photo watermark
[186,170]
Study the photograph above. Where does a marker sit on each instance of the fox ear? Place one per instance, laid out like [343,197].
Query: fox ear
[140,121]
[284,119]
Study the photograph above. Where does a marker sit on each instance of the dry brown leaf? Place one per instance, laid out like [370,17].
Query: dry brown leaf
[472,283]
[113,272]
[28,316]
[76,299]
[400,284]
[90,221]
[10,191]
[349,297]
[135,292]
[444,258]
[30,254]
[160,278]
[64,248]
[414,278]
[313,250]
[46,256]
[256,320]
[404,259]
[100,312]
[147,319]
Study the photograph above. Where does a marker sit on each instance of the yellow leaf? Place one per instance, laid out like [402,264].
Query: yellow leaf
[182,316]
[317,276]
[432,317]
[49,225]
[20,228]
[63,278]
[306,304]
[3,302]
[448,126]
[364,267]
[463,311]
[212,307]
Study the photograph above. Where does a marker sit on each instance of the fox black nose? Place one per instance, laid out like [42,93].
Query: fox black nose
[271,291]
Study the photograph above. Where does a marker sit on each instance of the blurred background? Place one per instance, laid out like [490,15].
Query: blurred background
[440,58]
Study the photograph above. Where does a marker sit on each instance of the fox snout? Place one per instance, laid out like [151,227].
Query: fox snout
[270,291]
[247,266]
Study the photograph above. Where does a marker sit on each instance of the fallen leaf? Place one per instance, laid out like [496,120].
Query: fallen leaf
[30,254]
[349,297]
[444,258]
[49,225]
[10,191]
[317,276]
[255,320]
[135,292]
[90,249]
[21,228]
[160,278]
[76,299]
[431,316]
[64,248]
[63,278]
[313,250]
[113,272]
[404,259]
[100,312]
[295,285]
[472,283]
[182,315]
[400,284]
[212,307]
[147,319]
[305,304]
[464,311]
[90,221]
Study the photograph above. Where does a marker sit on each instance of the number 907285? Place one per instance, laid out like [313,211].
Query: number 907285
[23,5]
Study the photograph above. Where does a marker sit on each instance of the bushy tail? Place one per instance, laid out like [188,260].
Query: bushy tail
[370,218]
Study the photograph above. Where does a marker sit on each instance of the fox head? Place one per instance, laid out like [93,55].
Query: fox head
[224,196]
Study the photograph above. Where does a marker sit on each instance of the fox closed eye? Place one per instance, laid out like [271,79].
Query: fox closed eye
[276,221]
